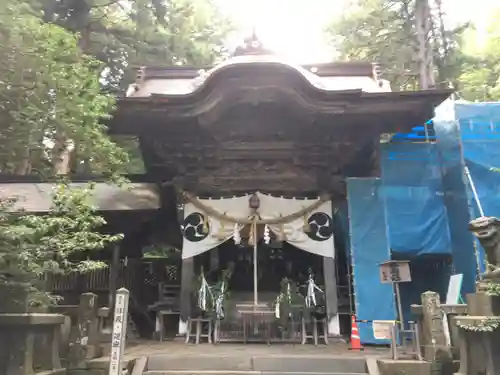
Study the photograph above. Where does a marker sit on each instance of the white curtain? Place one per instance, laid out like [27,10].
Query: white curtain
[319,240]
[217,232]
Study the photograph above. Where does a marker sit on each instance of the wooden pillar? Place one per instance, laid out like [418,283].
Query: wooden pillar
[214,259]
[332,308]
[114,271]
[187,275]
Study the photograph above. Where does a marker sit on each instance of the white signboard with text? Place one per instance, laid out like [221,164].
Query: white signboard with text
[119,332]
[383,329]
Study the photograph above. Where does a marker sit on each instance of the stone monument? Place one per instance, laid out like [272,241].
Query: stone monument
[479,331]
[487,231]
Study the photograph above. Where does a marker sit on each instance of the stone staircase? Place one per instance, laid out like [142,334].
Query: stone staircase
[240,364]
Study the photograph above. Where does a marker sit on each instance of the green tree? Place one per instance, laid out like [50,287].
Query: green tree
[61,58]
[129,33]
[34,246]
[51,103]
[384,31]
[480,78]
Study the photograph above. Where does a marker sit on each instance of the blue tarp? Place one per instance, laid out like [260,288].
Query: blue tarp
[480,134]
[413,196]
[426,201]
[467,135]
[369,248]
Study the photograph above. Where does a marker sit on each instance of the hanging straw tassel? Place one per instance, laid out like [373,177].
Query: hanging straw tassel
[306,227]
[281,233]
[203,293]
[205,224]
[219,304]
[236,234]
[222,231]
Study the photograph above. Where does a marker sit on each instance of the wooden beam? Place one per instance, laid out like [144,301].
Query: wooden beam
[37,197]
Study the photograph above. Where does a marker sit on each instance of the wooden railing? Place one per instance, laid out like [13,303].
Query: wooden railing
[165,271]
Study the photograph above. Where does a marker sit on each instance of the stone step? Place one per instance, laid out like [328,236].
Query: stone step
[242,373]
[278,364]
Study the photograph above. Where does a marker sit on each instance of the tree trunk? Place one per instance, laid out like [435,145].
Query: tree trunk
[422,20]
[24,166]
[61,156]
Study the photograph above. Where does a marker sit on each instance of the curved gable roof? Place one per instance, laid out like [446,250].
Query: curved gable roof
[185,81]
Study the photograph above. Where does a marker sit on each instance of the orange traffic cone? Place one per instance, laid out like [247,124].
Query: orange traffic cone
[355,341]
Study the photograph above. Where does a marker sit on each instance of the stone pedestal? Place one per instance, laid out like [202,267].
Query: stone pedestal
[481,304]
[479,340]
[29,341]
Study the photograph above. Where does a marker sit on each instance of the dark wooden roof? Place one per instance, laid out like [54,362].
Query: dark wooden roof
[254,123]
[391,111]
[263,80]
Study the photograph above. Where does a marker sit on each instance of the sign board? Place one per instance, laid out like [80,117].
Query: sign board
[453,296]
[119,332]
[383,329]
[395,271]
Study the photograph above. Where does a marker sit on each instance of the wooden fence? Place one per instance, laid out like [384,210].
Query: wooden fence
[140,277]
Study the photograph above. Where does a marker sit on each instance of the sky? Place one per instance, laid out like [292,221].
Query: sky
[294,28]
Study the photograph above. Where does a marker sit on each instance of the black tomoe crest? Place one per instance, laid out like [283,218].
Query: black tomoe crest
[321,226]
[192,227]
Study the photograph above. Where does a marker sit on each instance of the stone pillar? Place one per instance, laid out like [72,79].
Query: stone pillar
[332,308]
[86,343]
[438,353]
[187,275]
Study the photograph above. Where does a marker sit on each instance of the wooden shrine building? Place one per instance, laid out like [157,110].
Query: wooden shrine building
[257,124]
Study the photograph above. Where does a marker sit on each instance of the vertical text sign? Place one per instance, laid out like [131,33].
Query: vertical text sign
[119,332]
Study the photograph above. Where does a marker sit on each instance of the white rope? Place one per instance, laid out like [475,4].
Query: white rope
[211,212]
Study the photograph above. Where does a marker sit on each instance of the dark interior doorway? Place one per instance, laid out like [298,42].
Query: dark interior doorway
[275,262]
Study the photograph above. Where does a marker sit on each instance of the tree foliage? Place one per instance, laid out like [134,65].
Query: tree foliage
[480,78]
[51,103]
[32,246]
[126,33]
[384,31]
[66,60]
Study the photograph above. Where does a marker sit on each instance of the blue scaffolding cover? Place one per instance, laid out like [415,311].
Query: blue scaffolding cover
[413,195]
[369,248]
[459,143]
[480,134]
